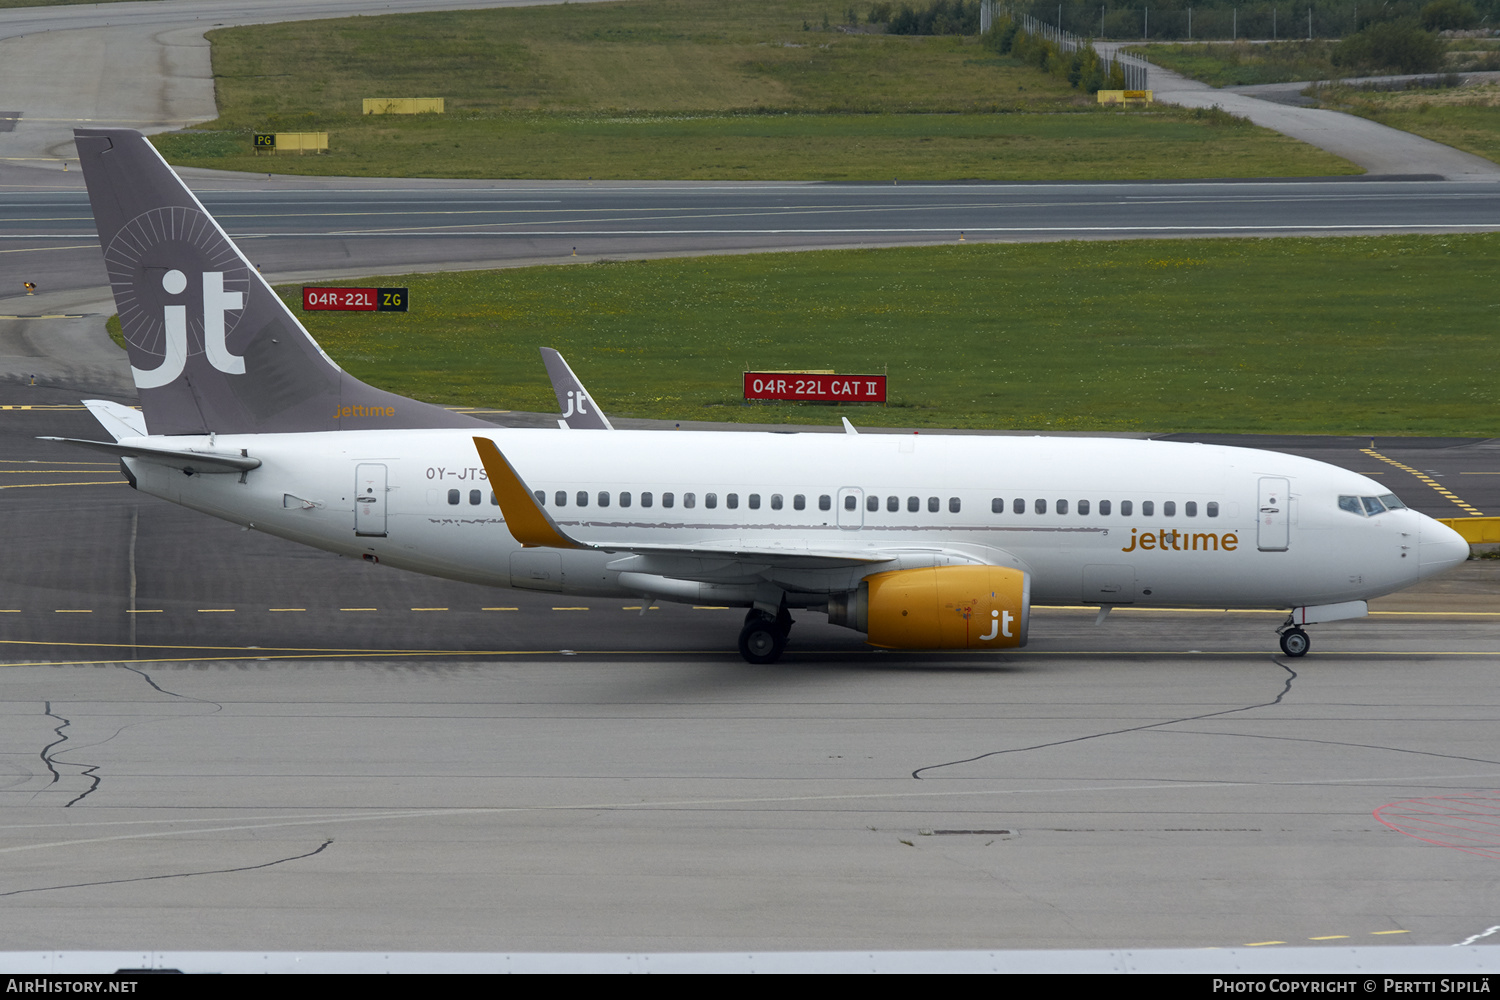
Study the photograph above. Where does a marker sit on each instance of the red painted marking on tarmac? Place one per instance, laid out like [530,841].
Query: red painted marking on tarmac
[1468,823]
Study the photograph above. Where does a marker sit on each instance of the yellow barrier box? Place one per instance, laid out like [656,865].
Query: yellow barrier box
[1476,530]
[1126,96]
[403,105]
[301,142]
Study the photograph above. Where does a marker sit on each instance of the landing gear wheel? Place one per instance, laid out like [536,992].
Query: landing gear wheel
[761,641]
[1294,642]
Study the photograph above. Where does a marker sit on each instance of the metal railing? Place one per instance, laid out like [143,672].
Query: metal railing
[1136,71]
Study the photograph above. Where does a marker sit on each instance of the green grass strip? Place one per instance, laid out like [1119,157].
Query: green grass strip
[1361,335]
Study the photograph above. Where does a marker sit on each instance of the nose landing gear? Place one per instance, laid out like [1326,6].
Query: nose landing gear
[1294,641]
[764,636]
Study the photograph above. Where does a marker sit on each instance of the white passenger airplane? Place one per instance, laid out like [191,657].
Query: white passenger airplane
[922,542]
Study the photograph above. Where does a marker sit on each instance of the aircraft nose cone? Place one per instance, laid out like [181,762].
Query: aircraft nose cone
[1439,548]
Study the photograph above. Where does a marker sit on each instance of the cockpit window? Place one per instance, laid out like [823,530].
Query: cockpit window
[1370,506]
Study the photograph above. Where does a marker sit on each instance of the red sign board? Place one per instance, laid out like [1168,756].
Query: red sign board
[815,387]
[355,299]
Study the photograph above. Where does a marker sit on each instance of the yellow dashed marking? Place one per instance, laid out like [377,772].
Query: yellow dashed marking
[359,609]
[1262,944]
[144,611]
[213,611]
[708,607]
[1390,932]
[286,609]
[1426,480]
[10,611]
[72,611]
[499,609]
[1329,937]
[429,609]
[29,486]
[570,609]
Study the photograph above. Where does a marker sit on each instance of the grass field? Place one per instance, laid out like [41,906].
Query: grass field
[688,89]
[1242,64]
[1372,335]
[1466,118]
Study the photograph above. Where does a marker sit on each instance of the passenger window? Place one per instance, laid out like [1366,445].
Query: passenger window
[1018,506]
[560,499]
[775,501]
[541,497]
[1190,508]
[624,498]
[997,506]
[913,504]
[755,501]
[1104,507]
[604,498]
[893,504]
[872,503]
[1083,507]
[1148,507]
[732,501]
[799,502]
[690,500]
[476,498]
[1169,508]
[1125,508]
[1213,508]
[955,505]
[710,500]
[1041,506]
[453,496]
[494,500]
[668,499]
[825,502]
[851,502]
[1062,506]
[932,505]
[646,499]
[1351,504]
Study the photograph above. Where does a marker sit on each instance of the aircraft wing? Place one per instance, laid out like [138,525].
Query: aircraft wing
[532,526]
[190,462]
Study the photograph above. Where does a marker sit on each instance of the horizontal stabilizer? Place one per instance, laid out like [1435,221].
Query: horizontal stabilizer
[191,462]
[121,421]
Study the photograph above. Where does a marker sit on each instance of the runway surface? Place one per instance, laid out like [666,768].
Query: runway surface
[215,739]
[295,227]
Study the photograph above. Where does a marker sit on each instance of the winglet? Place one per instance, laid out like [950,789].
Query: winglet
[528,522]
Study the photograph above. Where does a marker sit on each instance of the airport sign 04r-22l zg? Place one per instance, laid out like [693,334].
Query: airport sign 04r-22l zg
[355,299]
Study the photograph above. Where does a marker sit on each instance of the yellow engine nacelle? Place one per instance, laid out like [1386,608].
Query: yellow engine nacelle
[941,607]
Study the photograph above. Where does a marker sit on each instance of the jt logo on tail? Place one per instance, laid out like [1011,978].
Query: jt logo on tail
[216,302]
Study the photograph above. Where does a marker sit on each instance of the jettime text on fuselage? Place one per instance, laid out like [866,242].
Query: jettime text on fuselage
[1172,540]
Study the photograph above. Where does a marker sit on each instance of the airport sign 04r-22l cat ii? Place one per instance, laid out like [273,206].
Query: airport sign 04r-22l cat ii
[919,541]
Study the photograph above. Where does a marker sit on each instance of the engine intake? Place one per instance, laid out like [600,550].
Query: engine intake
[940,607]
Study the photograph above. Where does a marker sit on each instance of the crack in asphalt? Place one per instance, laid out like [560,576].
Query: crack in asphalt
[150,878]
[50,758]
[1285,690]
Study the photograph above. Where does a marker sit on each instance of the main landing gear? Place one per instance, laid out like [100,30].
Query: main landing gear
[1294,641]
[764,636]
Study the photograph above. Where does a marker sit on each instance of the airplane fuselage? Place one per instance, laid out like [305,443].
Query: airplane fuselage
[1093,521]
